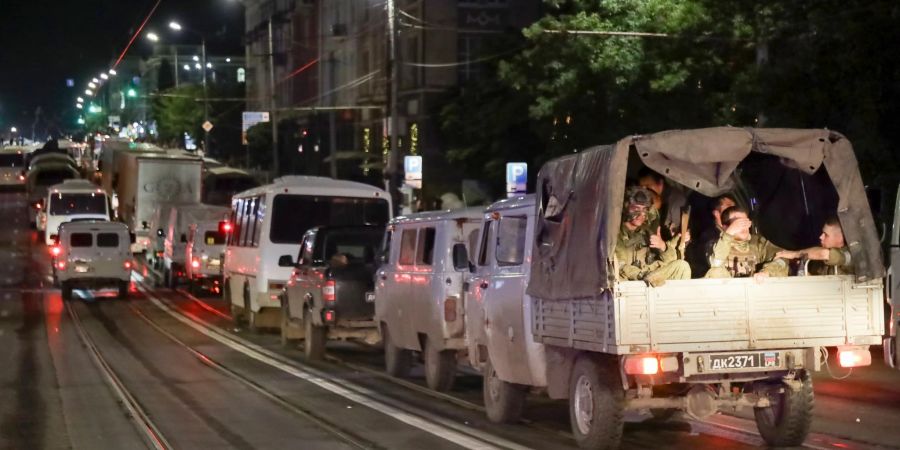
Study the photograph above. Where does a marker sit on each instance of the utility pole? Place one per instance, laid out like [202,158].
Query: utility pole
[391,175]
[272,115]
[203,62]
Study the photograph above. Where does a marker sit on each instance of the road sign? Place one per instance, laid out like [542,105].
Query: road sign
[207,126]
[516,178]
[412,169]
[250,118]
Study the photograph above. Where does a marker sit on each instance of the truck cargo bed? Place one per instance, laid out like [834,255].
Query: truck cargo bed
[716,314]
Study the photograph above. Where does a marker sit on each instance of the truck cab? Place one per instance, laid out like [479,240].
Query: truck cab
[325,296]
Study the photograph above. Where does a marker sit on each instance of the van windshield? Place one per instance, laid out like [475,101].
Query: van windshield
[294,214]
[12,160]
[82,203]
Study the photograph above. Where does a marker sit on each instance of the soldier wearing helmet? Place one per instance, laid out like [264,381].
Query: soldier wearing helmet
[641,252]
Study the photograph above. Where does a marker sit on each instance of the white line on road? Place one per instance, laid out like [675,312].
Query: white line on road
[423,420]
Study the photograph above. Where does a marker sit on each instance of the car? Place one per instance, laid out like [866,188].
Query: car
[12,167]
[92,255]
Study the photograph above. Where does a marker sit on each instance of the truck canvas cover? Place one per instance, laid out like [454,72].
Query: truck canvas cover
[580,196]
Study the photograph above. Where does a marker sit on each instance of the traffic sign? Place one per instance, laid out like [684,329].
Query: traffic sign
[250,118]
[412,169]
[207,126]
[516,178]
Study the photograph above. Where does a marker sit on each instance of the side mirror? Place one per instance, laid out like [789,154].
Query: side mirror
[132,238]
[145,225]
[183,238]
[285,261]
[460,257]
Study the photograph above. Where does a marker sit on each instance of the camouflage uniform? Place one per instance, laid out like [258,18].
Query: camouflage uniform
[838,263]
[637,261]
[730,258]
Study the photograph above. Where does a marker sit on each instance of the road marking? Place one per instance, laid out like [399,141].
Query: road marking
[423,420]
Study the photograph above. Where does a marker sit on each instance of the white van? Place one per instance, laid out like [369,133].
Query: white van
[93,255]
[72,200]
[12,167]
[268,222]
[203,255]
[498,311]
[175,238]
[419,291]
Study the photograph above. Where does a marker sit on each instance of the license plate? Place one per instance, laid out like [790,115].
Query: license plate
[370,297]
[213,263]
[82,269]
[757,360]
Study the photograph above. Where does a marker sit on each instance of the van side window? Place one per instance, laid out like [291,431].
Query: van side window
[245,221]
[107,240]
[407,247]
[306,250]
[425,253]
[511,241]
[238,216]
[386,246]
[472,244]
[81,240]
[251,223]
[260,214]
[483,249]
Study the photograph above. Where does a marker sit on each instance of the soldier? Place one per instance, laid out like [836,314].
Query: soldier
[833,250]
[740,253]
[642,254]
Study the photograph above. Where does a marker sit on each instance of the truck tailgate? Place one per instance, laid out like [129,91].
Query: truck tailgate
[721,314]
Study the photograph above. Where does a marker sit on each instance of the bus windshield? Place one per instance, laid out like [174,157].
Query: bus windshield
[82,203]
[294,214]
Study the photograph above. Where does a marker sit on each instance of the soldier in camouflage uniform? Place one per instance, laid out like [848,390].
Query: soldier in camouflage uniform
[833,251]
[641,253]
[740,253]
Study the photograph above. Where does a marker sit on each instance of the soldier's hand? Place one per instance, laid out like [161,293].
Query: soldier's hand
[737,226]
[657,242]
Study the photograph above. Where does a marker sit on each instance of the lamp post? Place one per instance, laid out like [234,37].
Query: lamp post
[177,27]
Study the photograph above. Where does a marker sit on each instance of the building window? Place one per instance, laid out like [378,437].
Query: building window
[469,47]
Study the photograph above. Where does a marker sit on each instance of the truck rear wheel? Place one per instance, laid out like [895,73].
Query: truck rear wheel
[314,338]
[785,423]
[397,361]
[596,404]
[440,367]
[503,402]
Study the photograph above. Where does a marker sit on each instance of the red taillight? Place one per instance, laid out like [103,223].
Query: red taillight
[195,264]
[37,205]
[450,309]
[642,365]
[55,250]
[224,227]
[328,291]
[854,356]
[21,177]
[329,316]
[127,265]
[61,265]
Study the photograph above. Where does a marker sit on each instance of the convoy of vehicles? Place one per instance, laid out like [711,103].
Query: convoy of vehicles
[93,255]
[269,222]
[524,291]
[325,296]
[72,200]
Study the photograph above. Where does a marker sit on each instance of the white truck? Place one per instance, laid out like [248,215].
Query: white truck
[610,345]
[175,236]
[144,181]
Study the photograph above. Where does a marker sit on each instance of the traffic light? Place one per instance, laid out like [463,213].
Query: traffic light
[132,93]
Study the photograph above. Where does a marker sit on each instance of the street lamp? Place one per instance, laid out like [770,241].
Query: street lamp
[13,130]
[92,85]
[177,27]
[113,72]
[153,37]
[89,92]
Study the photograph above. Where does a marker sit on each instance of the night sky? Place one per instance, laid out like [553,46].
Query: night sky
[44,42]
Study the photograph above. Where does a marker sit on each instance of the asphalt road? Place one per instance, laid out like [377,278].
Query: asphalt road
[202,383]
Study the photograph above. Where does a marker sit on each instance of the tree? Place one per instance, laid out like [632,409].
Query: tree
[178,111]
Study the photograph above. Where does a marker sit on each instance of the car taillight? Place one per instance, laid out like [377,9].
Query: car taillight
[642,365]
[328,291]
[21,177]
[195,264]
[37,205]
[854,356]
[127,265]
[61,265]
[329,316]
[55,250]
[450,309]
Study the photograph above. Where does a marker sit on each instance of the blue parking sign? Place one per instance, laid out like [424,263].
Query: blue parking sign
[412,168]
[516,178]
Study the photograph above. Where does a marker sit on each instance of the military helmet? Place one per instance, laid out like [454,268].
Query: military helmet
[638,196]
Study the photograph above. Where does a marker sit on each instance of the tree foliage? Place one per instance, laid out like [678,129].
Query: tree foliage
[178,111]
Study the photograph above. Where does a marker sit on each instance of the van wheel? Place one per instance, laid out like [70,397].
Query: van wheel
[596,404]
[314,338]
[785,423]
[123,289]
[397,361]
[66,290]
[440,367]
[503,402]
